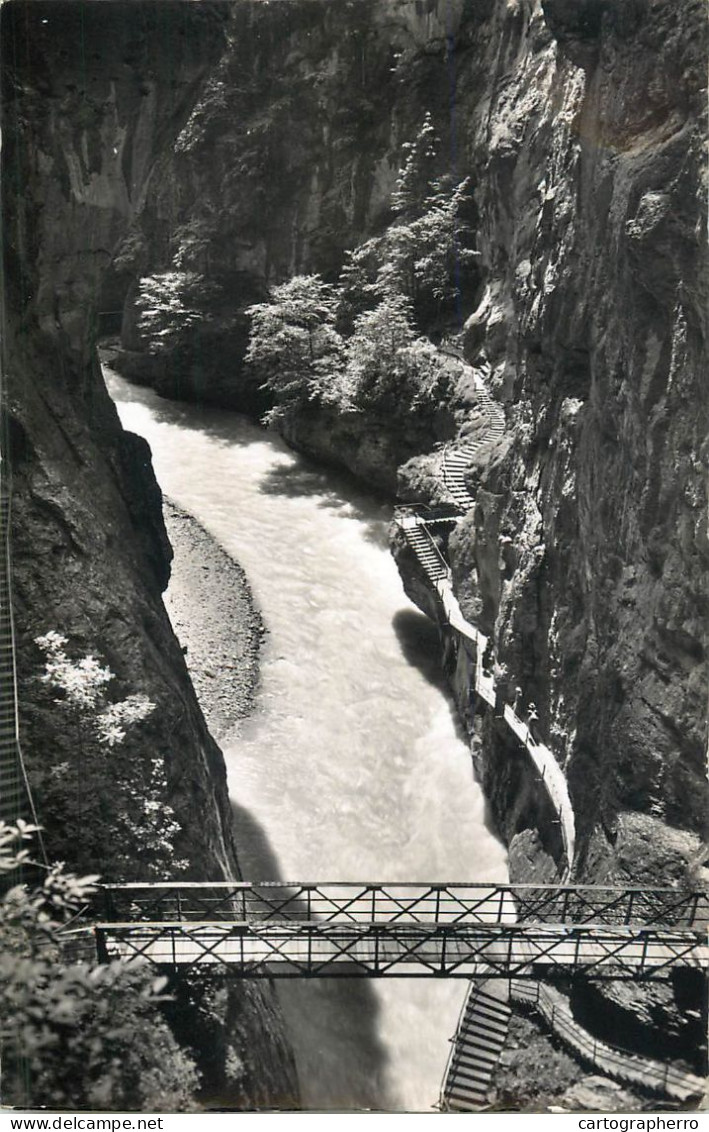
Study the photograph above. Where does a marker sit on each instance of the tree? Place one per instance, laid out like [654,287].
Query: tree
[74,1034]
[295,345]
[422,253]
[389,367]
[173,305]
[417,171]
[425,257]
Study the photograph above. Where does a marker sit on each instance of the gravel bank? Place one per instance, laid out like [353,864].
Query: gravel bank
[216,621]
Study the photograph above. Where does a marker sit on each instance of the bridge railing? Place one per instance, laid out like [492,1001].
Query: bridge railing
[405,949]
[371,903]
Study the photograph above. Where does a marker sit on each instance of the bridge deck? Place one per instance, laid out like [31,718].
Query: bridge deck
[282,949]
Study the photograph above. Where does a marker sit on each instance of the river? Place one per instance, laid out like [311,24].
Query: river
[352,766]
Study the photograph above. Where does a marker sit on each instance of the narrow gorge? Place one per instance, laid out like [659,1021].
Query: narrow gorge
[516,188]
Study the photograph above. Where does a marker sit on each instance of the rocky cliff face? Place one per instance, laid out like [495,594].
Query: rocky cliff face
[288,159]
[585,554]
[91,95]
[590,175]
[580,124]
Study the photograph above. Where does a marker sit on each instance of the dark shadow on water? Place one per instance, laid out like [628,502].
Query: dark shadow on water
[418,638]
[339,492]
[332,1023]
[223,425]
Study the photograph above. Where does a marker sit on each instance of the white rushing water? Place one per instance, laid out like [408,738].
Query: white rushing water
[351,766]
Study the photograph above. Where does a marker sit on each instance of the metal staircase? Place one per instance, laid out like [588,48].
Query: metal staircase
[618,1064]
[457,461]
[421,542]
[477,1045]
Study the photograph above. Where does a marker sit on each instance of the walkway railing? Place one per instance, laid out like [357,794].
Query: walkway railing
[476,1046]
[548,769]
[467,1086]
[454,465]
[616,1063]
[456,460]
[16,801]
[281,930]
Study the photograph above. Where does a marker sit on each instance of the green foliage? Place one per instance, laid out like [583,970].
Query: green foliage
[295,345]
[417,170]
[388,365]
[425,255]
[423,252]
[355,346]
[73,1034]
[173,305]
[102,788]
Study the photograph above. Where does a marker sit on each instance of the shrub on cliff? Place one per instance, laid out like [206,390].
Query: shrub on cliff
[77,1035]
[101,787]
[355,346]
[295,346]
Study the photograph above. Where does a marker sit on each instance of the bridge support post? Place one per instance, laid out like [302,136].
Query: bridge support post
[565,906]
[101,946]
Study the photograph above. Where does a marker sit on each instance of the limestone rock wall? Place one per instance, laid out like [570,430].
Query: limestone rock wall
[580,125]
[91,93]
[590,174]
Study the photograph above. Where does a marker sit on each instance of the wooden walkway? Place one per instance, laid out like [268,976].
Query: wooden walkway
[417,533]
[479,1037]
[279,930]
[15,799]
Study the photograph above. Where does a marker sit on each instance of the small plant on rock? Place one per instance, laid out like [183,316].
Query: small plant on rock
[111,809]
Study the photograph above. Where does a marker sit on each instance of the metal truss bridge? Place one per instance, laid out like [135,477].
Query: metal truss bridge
[346,930]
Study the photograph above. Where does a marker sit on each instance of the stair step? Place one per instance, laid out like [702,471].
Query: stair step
[471,1049]
[477,1071]
[463,1106]
[462,1087]
[486,1022]
[463,1091]
[482,1057]
[492,1005]
[486,1051]
[479,1024]
[498,1010]
[470,1103]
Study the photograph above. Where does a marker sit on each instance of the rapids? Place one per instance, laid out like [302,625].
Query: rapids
[352,766]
